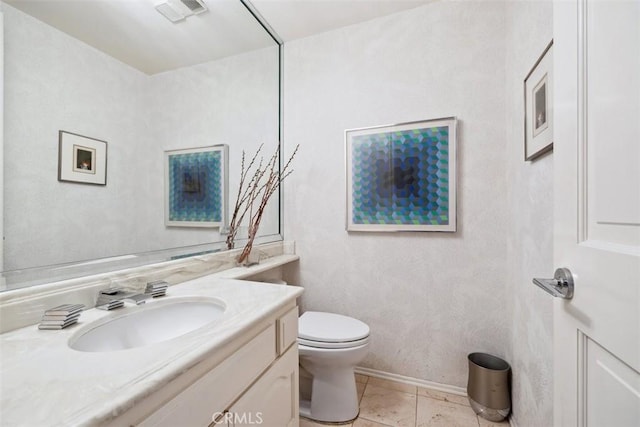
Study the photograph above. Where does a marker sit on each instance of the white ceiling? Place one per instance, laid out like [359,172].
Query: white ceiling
[294,19]
[135,33]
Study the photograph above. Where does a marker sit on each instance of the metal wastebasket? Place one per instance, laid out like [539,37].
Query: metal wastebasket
[488,386]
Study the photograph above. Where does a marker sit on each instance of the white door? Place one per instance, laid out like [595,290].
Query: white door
[597,212]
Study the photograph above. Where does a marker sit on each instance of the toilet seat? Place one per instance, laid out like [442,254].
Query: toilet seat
[332,345]
[330,330]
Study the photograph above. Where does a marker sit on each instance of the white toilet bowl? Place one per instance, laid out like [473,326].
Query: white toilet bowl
[330,346]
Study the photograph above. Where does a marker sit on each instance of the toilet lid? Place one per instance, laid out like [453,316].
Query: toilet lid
[330,327]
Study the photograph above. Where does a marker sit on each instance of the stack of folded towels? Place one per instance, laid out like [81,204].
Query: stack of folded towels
[61,316]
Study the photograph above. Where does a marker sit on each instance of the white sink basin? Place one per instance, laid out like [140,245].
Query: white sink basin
[150,324]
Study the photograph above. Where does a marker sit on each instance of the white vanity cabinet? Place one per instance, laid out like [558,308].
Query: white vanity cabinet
[272,400]
[245,361]
[257,384]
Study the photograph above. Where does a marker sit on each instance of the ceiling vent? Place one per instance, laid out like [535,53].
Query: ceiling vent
[195,6]
[178,10]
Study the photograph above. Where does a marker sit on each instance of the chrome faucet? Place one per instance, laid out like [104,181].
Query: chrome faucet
[112,298]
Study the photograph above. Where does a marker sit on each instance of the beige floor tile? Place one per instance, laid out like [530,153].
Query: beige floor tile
[441,395]
[360,389]
[361,422]
[386,406]
[308,423]
[438,413]
[362,378]
[486,423]
[392,385]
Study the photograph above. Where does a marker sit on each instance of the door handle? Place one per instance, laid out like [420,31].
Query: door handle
[561,286]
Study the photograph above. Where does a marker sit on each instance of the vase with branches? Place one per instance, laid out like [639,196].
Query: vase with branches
[258,182]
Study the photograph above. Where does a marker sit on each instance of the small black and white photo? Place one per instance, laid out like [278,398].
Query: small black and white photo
[540,106]
[84,159]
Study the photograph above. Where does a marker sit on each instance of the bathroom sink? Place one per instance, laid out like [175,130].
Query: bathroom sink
[157,322]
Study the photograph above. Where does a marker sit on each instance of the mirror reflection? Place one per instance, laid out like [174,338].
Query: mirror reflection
[122,73]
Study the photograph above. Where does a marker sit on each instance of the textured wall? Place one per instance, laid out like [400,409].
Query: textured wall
[55,82]
[429,298]
[240,109]
[530,225]
[2,137]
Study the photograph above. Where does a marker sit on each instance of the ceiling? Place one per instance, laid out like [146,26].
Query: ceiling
[135,33]
[294,19]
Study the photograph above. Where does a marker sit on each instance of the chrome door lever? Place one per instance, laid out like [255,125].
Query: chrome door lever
[560,286]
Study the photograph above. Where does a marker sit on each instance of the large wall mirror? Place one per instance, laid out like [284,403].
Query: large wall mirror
[122,72]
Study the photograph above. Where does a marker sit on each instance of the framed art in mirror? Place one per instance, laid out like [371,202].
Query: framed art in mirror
[81,159]
[144,100]
[538,106]
[402,177]
[196,186]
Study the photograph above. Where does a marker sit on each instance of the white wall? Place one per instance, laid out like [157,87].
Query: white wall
[529,224]
[429,298]
[231,101]
[54,82]
[1,142]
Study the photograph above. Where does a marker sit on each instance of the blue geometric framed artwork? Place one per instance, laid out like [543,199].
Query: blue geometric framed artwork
[196,186]
[402,177]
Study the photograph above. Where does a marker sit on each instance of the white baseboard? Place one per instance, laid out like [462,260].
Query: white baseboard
[412,381]
[420,383]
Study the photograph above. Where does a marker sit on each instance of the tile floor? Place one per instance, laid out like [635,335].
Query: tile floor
[385,403]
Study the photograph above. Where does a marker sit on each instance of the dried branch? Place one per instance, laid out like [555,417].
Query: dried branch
[243,196]
[265,181]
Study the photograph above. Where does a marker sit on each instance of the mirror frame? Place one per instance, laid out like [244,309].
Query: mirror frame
[41,275]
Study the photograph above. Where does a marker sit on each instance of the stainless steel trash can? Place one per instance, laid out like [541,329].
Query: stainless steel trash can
[488,386]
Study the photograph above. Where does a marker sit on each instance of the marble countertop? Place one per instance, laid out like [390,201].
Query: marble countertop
[44,382]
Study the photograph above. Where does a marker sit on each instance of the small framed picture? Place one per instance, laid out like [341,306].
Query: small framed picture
[402,177]
[81,159]
[538,102]
[196,186]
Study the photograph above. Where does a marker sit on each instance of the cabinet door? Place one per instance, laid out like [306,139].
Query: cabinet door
[287,326]
[214,391]
[273,399]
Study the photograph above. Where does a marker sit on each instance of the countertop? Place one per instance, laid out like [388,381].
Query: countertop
[44,382]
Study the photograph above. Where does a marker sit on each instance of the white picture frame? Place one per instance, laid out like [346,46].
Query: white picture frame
[197,186]
[538,102]
[402,177]
[81,159]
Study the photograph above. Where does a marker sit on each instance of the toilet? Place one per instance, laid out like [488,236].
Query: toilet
[330,346]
